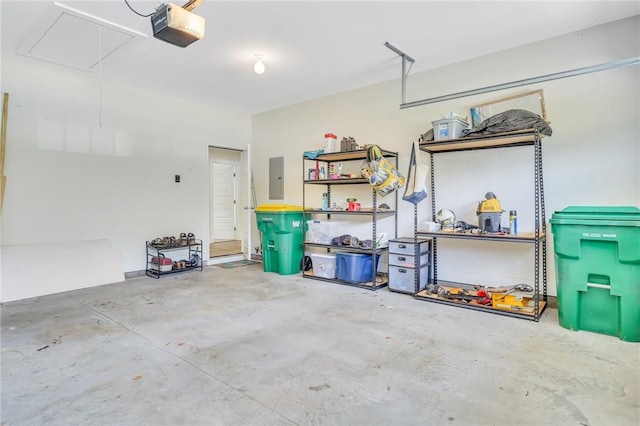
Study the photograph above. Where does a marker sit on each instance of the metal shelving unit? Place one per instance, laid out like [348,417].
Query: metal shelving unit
[153,251]
[530,137]
[374,212]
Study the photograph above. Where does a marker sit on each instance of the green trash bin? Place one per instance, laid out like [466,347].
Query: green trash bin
[597,254]
[282,228]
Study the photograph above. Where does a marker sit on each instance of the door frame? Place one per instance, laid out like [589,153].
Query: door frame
[247,224]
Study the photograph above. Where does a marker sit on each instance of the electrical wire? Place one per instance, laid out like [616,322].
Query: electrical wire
[136,12]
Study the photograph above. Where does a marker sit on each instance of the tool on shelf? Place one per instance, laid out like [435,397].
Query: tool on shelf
[510,297]
[446,218]
[489,212]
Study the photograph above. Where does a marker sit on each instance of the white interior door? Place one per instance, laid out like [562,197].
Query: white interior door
[250,202]
[224,214]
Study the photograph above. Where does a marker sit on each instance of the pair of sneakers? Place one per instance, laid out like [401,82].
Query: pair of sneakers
[187,239]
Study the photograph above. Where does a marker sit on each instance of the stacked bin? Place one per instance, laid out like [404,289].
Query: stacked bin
[597,254]
[282,229]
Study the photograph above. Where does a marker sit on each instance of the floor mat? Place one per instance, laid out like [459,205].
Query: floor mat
[237,263]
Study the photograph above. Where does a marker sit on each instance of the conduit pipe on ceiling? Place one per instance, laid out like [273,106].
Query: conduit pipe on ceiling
[516,83]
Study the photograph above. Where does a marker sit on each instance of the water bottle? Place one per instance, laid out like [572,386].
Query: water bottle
[513,222]
[325,201]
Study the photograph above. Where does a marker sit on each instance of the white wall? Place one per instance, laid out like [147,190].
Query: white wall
[70,180]
[592,158]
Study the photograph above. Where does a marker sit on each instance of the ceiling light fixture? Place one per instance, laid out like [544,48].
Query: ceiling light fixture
[259,67]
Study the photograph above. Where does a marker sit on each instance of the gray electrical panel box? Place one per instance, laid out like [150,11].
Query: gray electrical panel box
[276,178]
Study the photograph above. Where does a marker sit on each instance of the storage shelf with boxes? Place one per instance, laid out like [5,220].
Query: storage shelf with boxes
[527,304]
[348,250]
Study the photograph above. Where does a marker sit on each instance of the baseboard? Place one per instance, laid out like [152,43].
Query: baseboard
[224,259]
[134,274]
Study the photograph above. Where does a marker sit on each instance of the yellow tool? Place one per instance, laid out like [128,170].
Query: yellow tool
[489,205]
[516,301]
[489,211]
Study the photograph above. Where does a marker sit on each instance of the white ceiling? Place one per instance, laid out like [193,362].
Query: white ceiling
[311,48]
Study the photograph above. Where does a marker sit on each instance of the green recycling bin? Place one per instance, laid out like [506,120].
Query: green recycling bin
[282,228]
[597,254]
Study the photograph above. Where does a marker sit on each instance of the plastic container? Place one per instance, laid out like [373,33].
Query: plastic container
[324,264]
[165,264]
[355,268]
[407,261]
[597,254]
[331,143]
[161,263]
[401,279]
[406,245]
[448,128]
[322,231]
[282,228]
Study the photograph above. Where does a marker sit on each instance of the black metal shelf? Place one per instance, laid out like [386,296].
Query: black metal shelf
[528,137]
[157,274]
[348,249]
[520,238]
[536,311]
[154,251]
[499,140]
[375,213]
[342,181]
[359,154]
[352,213]
[380,282]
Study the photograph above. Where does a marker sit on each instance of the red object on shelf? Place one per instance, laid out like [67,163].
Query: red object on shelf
[163,260]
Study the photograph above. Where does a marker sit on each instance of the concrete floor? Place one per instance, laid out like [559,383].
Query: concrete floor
[241,347]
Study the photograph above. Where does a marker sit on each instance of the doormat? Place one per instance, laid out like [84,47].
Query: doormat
[237,263]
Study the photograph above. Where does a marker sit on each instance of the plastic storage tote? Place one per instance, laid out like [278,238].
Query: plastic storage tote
[597,254]
[323,231]
[355,268]
[282,228]
[324,265]
[448,128]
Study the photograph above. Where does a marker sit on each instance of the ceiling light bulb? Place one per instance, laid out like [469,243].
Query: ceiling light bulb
[259,67]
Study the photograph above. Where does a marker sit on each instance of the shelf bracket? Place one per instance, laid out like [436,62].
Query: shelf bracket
[405,72]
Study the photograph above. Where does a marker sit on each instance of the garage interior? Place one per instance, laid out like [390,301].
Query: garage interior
[112,139]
